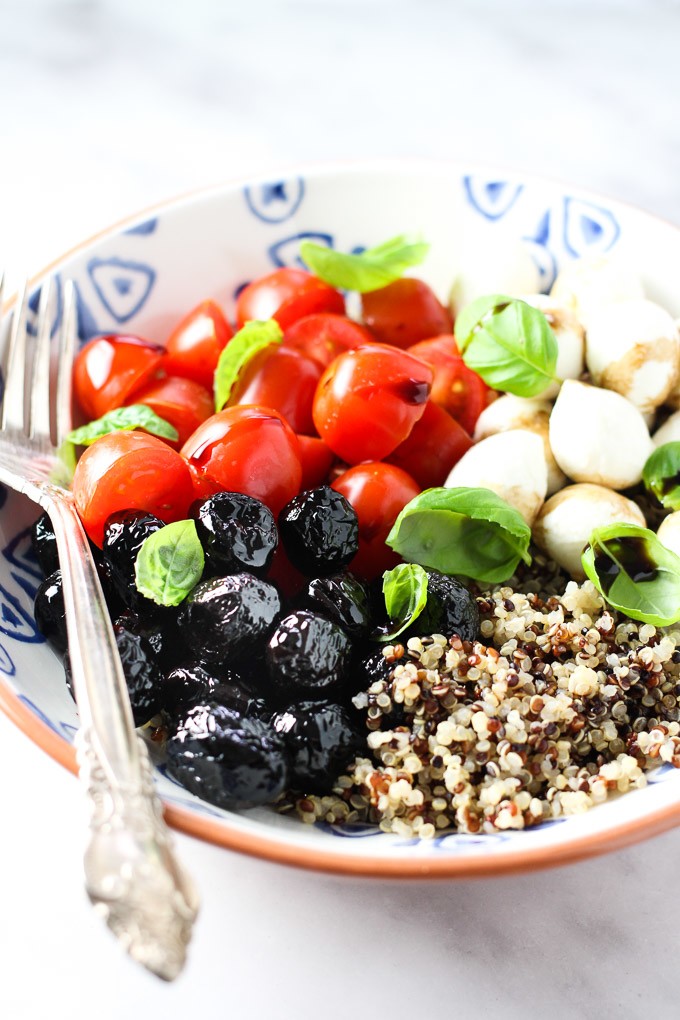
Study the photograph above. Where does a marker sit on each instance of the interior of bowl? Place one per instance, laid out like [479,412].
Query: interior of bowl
[142,277]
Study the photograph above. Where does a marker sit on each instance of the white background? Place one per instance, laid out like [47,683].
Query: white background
[110,105]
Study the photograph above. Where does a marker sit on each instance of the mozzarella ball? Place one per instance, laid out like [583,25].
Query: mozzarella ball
[669,432]
[598,436]
[566,522]
[510,412]
[495,267]
[669,532]
[586,283]
[569,334]
[633,347]
[511,464]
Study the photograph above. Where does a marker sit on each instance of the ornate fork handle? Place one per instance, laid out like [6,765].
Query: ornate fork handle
[131,873]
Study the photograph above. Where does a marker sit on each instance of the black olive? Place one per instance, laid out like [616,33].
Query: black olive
[343,598]
[44,544]
[142,672]
[307,653]
[322,739]
[225,759]
[238,533]
[192,682]
[49,611]
[163,634]
[450,610]
[222,618]
[124,533]
[320,531]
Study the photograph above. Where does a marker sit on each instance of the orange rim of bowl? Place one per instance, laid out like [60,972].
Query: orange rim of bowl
[271,849]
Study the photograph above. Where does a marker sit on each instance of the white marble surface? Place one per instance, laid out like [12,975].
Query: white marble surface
[108,105]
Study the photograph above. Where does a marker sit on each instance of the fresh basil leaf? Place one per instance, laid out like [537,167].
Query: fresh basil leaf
[64,465]
[661,475]
[169,563]
[405,591]
[252,338]
[635,573]
[372,269]
[123,419]
[508,343]
[468,532]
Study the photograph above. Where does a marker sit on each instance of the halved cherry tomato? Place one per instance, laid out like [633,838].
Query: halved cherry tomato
[435,444]
[245,449]
[107,369]
[130,471]
[378,492]
[181,402]
[286,295]
[369,399]
[324,336]
[194,346]
[404,312]
[284,380]
[455,387]
[316,460]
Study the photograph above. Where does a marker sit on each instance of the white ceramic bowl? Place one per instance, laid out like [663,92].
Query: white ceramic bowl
[143,275]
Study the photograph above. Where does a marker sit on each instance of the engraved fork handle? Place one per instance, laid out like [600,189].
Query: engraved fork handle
[131,873]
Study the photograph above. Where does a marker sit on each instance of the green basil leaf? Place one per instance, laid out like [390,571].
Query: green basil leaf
[468,532]
[635,573]
[252,338]
[508,343]
[372,269]
[123,419]
[405,591]
[661,475]
[64,465]
[169,563]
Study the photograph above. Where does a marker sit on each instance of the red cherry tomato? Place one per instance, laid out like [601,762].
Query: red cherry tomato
[107,369]
[435,444]
[455,387]
[324,336]
[181,402]
[194,346]
[316,460]
[284,380]
[287,295]
[285,576]
[378,492]
[404,312]
[130,470]
[245,449]
[369,399]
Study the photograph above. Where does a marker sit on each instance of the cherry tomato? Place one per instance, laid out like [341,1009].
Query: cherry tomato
[369,399]
[316,460]
[435,444]
[194,346]
[455,387]
[284,380]
[130,471]
[107,369]
[285,576]
[245,449]
[404,312]
[181,402]
[287,295]
[324,336]
[378,492]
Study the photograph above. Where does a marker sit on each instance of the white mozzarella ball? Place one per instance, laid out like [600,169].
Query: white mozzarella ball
[633,347]
[511,464]
[567,519]
[586,283]
[669,432]
[500,267]
[598,436]
[669,532]
[510,412]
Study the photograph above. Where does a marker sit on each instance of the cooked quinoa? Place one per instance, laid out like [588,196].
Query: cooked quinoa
[561,703]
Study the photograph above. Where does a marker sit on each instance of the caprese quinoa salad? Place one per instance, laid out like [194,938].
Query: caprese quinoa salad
[419,568]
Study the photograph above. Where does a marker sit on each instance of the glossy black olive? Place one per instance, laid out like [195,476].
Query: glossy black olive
[221,619]
[124,533]
[322,740]
[450,609]
[238,533]
[192,682]
[343,598]
[45,544]
[307,653]
[162,634]
[49,611]
[143,674]
[225,759]
[320,531]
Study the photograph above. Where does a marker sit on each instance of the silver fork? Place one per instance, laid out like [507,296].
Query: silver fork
[131,874]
